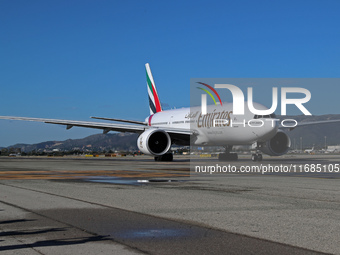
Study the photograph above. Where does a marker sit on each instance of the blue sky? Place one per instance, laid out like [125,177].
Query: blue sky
[75,59]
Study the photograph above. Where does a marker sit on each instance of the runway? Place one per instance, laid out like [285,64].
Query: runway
[134,205]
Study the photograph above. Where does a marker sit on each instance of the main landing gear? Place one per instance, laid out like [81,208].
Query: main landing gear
[166,157]
[227,155]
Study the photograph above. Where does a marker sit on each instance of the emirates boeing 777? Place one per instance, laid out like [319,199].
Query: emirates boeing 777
[188,126]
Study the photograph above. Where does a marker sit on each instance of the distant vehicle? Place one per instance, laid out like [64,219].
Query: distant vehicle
[332,150]
[14,155]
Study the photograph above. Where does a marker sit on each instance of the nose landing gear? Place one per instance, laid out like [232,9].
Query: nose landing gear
[231,156]
[256,157]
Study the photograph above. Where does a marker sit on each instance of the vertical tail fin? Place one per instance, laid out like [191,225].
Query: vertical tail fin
[154,102]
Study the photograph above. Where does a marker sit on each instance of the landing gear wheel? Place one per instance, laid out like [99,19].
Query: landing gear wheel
[256,157]
[165,157]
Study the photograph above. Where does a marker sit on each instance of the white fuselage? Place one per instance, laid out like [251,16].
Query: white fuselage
[219,127]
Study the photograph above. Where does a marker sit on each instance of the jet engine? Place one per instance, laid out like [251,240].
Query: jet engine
[276,146]
[154,142]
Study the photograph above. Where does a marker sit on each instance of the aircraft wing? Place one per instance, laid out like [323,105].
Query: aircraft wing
[301,124]
[106,127]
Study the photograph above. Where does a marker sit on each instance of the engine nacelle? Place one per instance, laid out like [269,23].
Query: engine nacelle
[154,142]
[276,146]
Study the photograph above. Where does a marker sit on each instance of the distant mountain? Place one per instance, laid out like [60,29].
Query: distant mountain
[314,135]
[99,142]
[309,135]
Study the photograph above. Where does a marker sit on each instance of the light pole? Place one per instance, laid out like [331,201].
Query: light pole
[301,143]
[325,143]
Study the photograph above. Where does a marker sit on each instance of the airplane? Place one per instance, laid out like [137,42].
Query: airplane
[187,126]
[309,151]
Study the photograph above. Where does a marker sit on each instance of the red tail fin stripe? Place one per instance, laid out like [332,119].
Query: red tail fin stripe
[158,105]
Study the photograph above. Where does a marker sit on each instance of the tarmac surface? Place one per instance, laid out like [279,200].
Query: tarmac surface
[134,205]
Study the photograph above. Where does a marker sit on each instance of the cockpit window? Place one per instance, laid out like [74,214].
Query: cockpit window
[271,116]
